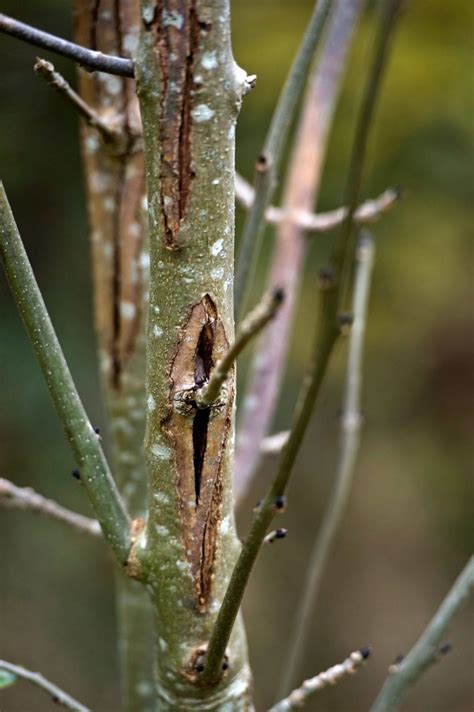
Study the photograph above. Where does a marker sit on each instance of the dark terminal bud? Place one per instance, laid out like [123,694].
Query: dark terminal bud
[76,473]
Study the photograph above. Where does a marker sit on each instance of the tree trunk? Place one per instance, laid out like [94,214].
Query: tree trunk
[115,182]
[190,91]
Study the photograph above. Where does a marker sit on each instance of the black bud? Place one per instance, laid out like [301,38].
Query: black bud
[326,278]
[200,667]
[262,163]
[445,648]
[225,665]
[345,320]
[280,502]
[281,533]
[365,652]
[97,431]
[278,294]
[76,474]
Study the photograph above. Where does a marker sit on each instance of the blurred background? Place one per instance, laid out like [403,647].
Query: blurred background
[408,529]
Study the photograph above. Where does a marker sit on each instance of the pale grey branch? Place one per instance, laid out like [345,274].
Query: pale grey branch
[27,498]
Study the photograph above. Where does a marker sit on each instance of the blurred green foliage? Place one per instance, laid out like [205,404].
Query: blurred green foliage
[408,529]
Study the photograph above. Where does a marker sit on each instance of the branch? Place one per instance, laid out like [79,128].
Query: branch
[314,223]
[342,259]
[328,329]
[426,651]
[348,448]
[87,58]
[268,163]
[27,498]
[325,339]
[85,444]
[248,329]
[58,695]
[331,676]
[46,70]
[301,191]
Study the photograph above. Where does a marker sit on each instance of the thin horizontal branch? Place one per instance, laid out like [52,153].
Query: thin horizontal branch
[252,325]
[27,498]
[95,472]
[350,424]
[314,223]
[46,70]
[331,676]
[59,696]
[87,58]
[426,650]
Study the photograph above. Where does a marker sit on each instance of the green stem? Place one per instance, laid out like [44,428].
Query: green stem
[95,473]
[349,445]
[342,259]
[252,325]
[326,336]
[426,651]
[269,161]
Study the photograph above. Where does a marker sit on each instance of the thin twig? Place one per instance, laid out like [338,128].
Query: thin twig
[300,195]
[95,472]
[342,259]
[315,223]
[331,676]
[328,329]
[87,58]
[27,498]
[46,70]
[348,448]
[426,650]
[252,325]
[268,163]
[36,678]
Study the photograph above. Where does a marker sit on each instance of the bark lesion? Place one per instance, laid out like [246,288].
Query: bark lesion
[198,437]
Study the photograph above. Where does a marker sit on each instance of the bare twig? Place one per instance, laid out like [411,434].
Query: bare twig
[27,498]
[331,676]
[343,256]
[268,163]
[426,650]
[87,58]
[96,475]
[275,534]
[309,153]
[252,325]
[58,695]
[349,445]
[315,223]
[47,71]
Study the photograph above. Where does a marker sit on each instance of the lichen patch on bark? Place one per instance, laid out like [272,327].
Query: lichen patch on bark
[199,438]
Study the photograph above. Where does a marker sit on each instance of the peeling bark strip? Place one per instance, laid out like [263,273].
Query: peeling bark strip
[176,25]
[198,439]
[115,182]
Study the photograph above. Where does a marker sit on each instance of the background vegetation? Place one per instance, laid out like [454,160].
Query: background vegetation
[407,532]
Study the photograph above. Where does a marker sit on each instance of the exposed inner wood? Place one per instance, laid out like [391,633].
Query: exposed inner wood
[198,438]
[177,35]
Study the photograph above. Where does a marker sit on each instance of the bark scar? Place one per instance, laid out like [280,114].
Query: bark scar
[177,29]
[199,438]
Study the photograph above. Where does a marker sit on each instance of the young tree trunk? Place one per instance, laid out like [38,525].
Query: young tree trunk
[190,91]
[115,182]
